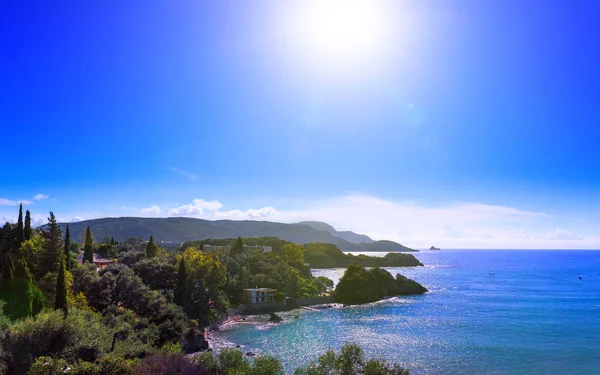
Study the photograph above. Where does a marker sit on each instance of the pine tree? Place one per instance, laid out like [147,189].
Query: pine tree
[53,247]
[28,230]
[88,249]
[60,301]
[181,283]
[20,235]
[151,249]
[238,247]
[67,248]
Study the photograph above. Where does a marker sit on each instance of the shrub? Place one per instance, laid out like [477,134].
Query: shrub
[80,335]
[166,364]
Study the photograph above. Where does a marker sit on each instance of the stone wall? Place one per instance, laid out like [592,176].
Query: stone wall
[314,301]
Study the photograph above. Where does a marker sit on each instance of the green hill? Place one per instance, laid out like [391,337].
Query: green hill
[182,229]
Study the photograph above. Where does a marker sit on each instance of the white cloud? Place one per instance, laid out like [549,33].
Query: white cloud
[451,225]
[7,219]
[40,197]
[197,208]
[212,210]
[7,202]
[184,173]
[251,214]
[76,219]
[152,210]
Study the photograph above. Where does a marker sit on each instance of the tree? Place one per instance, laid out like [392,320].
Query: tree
[181,283]
[293,254]
[60,301]
[53,247]
[67,248]
[28,230]
[156,273]
[20,235]
[151,248]
[238,247]
[88,249]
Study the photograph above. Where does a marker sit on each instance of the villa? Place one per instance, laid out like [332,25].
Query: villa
[260,295]
[99,262]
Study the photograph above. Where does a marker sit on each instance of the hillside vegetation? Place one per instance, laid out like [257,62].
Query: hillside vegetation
[182,229]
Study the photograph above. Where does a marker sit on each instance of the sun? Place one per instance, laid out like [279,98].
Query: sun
[335,34]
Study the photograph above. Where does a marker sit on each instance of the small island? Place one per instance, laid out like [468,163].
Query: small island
[323,255]
[359,285]
[434,248]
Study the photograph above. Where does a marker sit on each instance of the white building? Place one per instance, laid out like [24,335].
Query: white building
[260,295]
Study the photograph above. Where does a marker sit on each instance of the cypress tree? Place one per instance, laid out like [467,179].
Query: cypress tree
[53,246]
[67,248]
[88,249]
[181,283]
[151,249]
[60,301]
[20,236]
[238,247]
[28,230]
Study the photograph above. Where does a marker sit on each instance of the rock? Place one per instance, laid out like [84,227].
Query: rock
[250,354]
[434,248]
[274,318]
[194,342]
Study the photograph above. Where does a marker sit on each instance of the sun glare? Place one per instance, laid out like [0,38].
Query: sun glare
[340,34]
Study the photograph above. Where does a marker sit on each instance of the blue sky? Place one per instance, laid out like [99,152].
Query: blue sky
[424,114]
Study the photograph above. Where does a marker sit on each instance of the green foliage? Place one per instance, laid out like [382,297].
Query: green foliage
[266,365]
[88,249]
[293,255]
[180,290]
[151,248]
[171,348]
[4,321]
[233,362]
[20,234]
[52,247]
[31,252]
[324,255]
[206,275]
[51,332]
[60,301]
[322,284]
[22,297]
[359,285]
[157,273]
[350,361]
[67,248]
[28,231]
[187,229]
[237,248]
[208,361]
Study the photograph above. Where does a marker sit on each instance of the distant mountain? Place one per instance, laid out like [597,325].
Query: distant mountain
[384,246]
[434,248]
[181,229]
[345,235]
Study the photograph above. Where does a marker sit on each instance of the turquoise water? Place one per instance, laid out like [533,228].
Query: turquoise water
[488,312]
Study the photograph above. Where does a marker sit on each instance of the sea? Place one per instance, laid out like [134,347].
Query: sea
[486,312]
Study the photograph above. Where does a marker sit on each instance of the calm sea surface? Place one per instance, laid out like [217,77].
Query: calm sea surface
[487,312]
